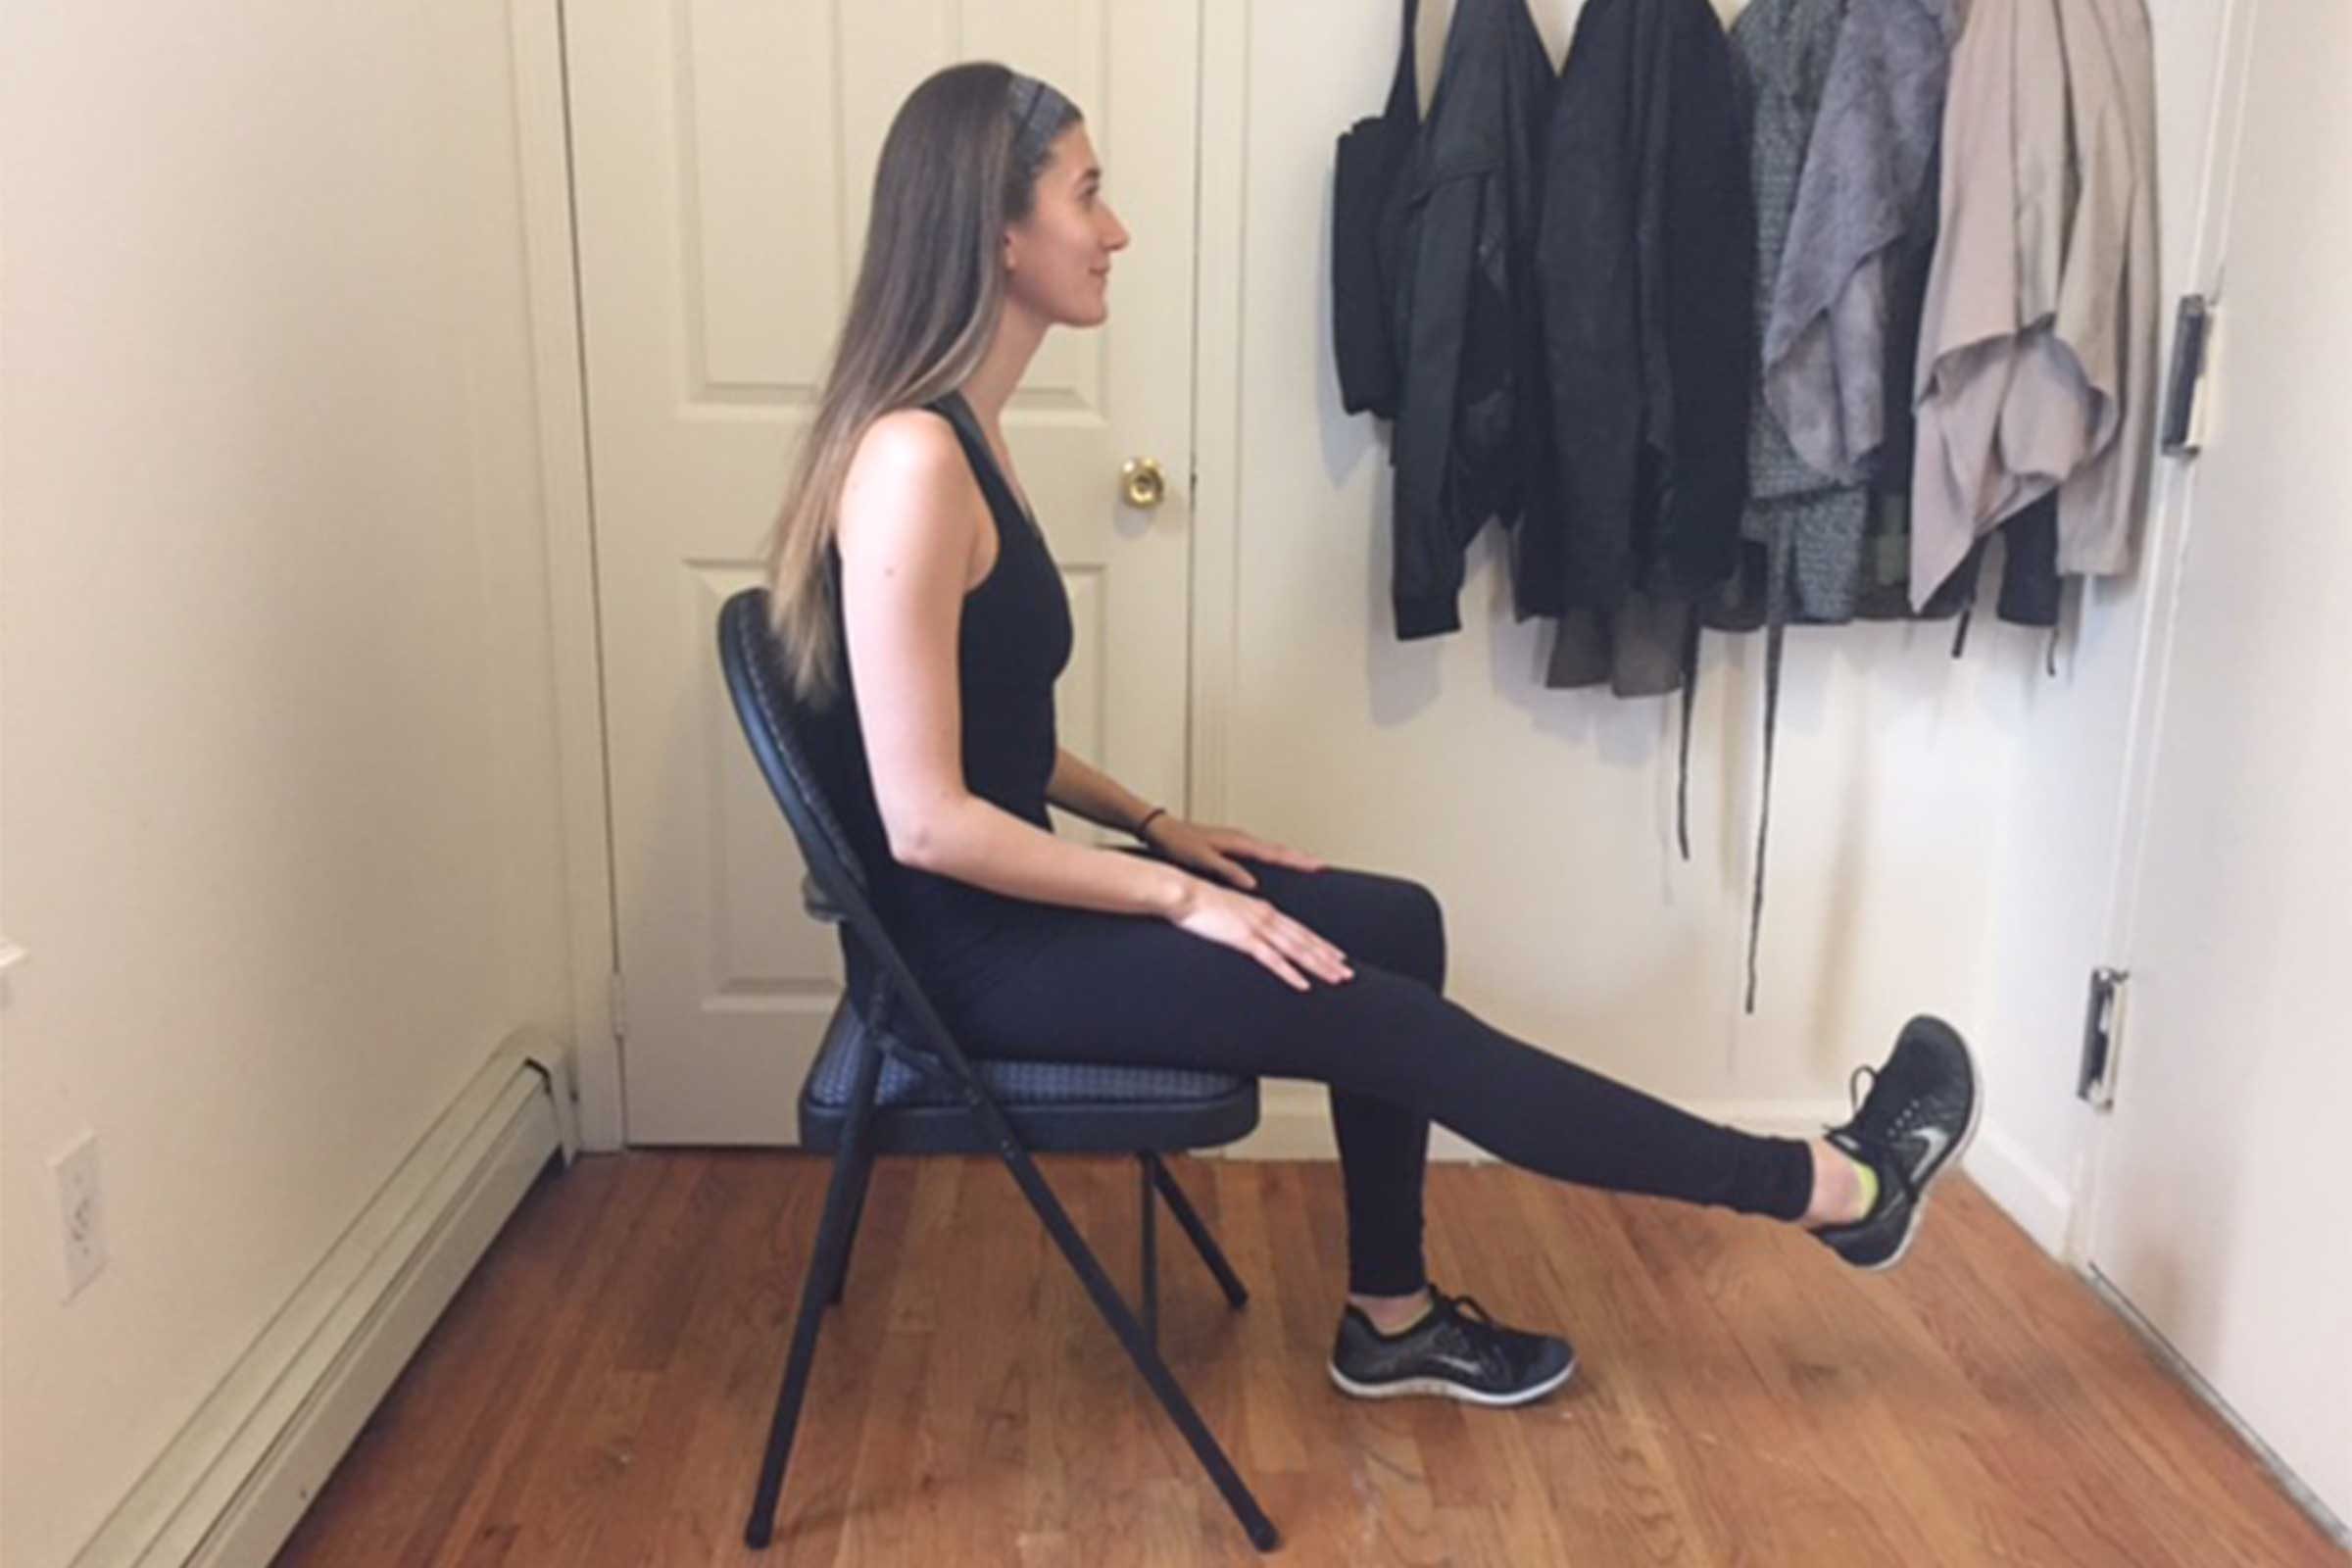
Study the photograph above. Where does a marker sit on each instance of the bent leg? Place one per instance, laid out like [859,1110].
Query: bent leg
[1397,925]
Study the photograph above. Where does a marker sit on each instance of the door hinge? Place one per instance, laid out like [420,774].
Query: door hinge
[2181,431]
[2102,1034]
[620,1003]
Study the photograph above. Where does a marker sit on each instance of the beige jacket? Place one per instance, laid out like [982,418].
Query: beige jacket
[2037,349]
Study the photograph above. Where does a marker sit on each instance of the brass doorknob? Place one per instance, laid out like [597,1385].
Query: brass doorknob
[1142,483]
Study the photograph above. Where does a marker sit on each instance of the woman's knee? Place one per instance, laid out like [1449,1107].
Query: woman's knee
[1391,921]
[1402,927]
[1425,919]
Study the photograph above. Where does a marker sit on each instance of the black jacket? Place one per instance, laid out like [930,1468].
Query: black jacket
[1471,438]
[1365,234]
[1646,258]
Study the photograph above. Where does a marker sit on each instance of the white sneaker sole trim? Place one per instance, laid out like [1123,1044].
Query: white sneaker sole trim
[1951,1158]
[1448,1390]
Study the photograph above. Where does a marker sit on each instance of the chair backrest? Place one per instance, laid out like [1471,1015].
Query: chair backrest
[815,767]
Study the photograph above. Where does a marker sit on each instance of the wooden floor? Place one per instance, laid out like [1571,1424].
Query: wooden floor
[600,1390]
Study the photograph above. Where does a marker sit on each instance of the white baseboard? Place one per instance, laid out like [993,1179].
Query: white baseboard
[2028,1194]
[232,1483]
[1294,1123]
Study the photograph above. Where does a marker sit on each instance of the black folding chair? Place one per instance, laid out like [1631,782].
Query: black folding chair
[890,1078]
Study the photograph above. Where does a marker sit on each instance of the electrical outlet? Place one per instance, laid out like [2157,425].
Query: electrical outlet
[79,1215]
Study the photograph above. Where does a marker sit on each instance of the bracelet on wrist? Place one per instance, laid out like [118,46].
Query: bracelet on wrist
[1156,812]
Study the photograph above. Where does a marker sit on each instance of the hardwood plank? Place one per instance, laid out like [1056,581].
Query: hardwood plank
[702,1322]
[533,1385]
[554,1491]
[398,1513]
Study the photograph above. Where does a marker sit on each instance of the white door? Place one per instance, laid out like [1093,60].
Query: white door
[723,159]
[2225,1207]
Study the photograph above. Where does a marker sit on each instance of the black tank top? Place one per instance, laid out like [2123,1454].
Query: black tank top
[1013,642]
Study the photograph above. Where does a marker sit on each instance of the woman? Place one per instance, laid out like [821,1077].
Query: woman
[925,621]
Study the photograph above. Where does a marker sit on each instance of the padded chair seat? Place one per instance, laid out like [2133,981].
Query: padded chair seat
[1059,1107]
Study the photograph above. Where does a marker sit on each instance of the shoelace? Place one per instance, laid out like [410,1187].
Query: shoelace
[1859,1096]
[1905,1119]
[1458,1302]
[1462,1307]
[1856,1095]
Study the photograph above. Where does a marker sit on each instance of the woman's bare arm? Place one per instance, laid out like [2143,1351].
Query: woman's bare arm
[1079,785]
[909,538]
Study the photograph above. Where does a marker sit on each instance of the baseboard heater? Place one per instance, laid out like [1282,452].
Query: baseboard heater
[228,1490]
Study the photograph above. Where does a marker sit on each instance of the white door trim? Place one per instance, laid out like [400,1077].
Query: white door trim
[1220,234]
[2169,525]
[543,154]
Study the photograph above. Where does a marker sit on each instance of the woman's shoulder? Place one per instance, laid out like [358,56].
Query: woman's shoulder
[907,472]
[919,440]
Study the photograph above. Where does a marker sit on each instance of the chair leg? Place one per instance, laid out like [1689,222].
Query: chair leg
[1172,1398]
[1182,1207]
[863,1180]
[1150,1292]
[825,1268]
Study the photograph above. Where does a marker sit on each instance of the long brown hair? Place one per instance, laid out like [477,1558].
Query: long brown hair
[929,290]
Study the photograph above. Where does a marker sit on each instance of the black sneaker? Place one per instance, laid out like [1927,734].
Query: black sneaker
[1449,1352]
[1921,1113]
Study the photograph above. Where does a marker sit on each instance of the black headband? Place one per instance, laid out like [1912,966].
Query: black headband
[1032,131]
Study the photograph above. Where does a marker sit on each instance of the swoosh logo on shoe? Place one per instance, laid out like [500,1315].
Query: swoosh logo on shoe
[1938,1141]
[1467,1368]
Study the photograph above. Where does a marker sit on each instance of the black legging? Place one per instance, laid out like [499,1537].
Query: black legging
[1396,1054]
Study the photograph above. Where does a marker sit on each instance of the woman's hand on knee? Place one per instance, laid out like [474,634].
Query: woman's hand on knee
[1211,850]
[1255,927]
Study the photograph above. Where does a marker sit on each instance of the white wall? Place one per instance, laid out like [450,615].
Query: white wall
[279,760]
[1942,832]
